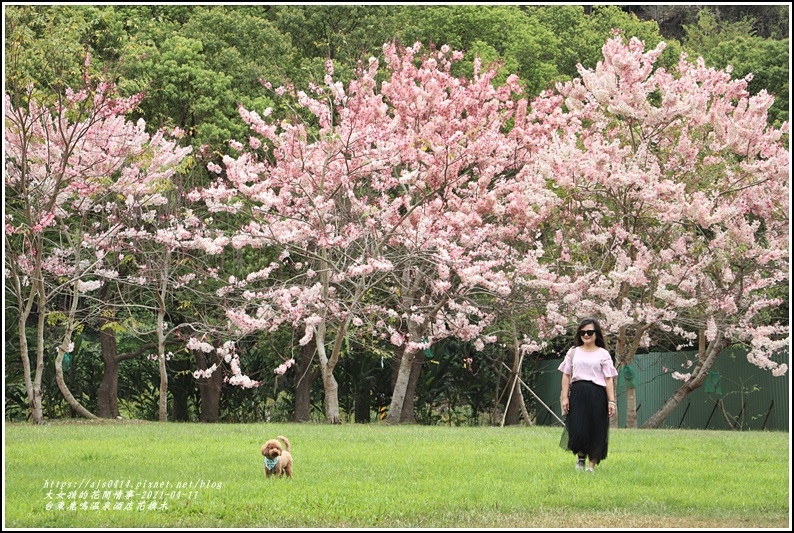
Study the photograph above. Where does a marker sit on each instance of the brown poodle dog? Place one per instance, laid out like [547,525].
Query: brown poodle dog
[278,460]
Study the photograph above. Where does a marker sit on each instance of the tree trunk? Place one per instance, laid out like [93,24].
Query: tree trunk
[327,364]
[408,415]
[37,409]
[394,363]
[33,388]
[211,398]
[70,399]
[67,336]
[32,382]
[107,393]
[161,294]
[625,351]
[209,388]
[523,405]
[513,413]
[303,382]
[401,386]
[163,404]
[706,358]
[331,390]
[669,406]
[631,408]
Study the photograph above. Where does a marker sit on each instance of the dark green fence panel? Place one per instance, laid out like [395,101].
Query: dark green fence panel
[738,395]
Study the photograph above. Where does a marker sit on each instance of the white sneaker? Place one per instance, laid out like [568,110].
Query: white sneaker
[580,464]
[589,469]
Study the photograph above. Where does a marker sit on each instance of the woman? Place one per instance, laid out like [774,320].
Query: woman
[588,394]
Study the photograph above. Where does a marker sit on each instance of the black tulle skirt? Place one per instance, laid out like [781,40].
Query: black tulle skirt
[587,423]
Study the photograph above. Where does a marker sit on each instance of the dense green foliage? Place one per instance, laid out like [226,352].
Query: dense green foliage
[196,64]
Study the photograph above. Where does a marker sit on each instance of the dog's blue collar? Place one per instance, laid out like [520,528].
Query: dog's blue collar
[270,464]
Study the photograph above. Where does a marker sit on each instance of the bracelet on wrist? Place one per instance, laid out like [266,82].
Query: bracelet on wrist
[613,403]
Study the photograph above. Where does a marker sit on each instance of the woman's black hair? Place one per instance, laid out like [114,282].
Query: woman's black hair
[599,335]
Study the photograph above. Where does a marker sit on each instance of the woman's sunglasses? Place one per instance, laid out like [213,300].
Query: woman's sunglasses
[587,332]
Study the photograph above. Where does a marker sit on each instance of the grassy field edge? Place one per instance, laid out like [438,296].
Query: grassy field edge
[376,476]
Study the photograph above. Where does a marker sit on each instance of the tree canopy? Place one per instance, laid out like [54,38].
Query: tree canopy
[274,188]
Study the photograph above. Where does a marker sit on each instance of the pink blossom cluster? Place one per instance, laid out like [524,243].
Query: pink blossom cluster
[399,193]
[227,353]
[206,373]
[283,367]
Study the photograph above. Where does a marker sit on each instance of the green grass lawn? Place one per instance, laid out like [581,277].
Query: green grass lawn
[177,475]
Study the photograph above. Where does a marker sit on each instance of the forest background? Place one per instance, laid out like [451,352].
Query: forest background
[120,351]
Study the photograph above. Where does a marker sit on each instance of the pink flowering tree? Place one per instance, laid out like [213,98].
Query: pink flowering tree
[474,242]
[70,168]
[675,191]
[167,257]
[391,207]
[165,292]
